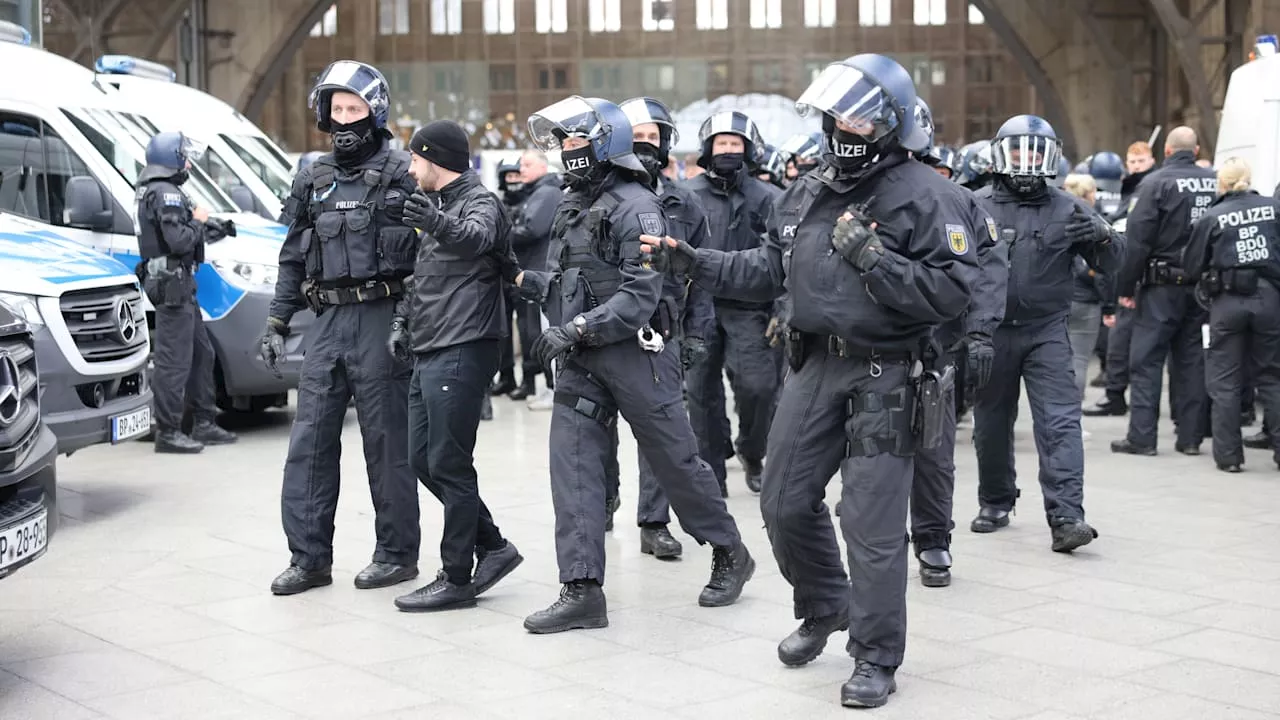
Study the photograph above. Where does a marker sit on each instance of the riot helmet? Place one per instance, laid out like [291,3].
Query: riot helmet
[1025,151]
[771,166]
[1107,169]
[938,157]
[804,152]
[644,111]
[874,98]
[353,141]
[604,127]
[1064,169]
[505,185]
[167,156]
[974,164]
[726,166]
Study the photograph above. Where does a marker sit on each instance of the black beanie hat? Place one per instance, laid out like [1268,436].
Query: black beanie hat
[444,143]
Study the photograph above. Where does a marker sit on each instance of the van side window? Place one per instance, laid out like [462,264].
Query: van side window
[217,169]
[22,164]
[63,164]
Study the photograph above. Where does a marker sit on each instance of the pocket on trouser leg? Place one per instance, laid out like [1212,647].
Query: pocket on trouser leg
[879,423]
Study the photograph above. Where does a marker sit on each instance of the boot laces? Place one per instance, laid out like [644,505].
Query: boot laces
[721,566]
[865,669]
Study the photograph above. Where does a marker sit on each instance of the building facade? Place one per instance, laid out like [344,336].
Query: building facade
[491,63]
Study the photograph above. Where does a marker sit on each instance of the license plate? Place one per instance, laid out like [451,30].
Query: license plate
[23,541]
[130,425]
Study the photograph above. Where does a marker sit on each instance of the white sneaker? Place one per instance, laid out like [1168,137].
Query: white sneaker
[542,401]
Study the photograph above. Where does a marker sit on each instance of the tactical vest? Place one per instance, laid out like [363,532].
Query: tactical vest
[589,246]
[354,238]
[151,199]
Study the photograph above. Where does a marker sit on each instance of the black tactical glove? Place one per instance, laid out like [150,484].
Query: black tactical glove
[693,350]
[554,343]
[271,345]
[398,340]
[533,287]
[856,242]
[679,260]
[1088,228]
[981,357]
[420,212]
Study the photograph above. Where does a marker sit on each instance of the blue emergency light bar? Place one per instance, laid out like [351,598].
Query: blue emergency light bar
[1266,45]
[128,65]
[14,33]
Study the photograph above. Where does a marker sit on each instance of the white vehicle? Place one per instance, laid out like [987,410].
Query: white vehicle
[80,156]
[1250,126]
[240,158]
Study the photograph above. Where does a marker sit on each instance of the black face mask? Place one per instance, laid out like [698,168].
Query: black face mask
[1026,184]
[805,167]
[851,151]
[515,188]
[180,177]
[727,165]
[652,158]
[355,142]
[578,164]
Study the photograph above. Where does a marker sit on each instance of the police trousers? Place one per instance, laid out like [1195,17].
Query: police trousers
[933,487]
[446,393]
[1118,340]
[1167,323]
[348,358]
[815,435]
[1082,329]
[183,374]
[652,507]
[1244,341]
[1035,353]
[595,386]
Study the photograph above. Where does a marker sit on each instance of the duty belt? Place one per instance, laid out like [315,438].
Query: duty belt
[1160,272]
[841,348]
[353,294]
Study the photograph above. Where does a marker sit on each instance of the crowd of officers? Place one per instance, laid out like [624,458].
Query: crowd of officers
[861,288]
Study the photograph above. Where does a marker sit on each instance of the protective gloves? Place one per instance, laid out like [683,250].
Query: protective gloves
[271,345]
[857,242]
[981,356]
[398,340]
[1087,228]
[693,350]
[420,212]
[554,343]
[679,260]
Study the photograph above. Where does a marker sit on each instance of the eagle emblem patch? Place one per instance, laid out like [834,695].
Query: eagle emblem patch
[957,239]
[651,224]
[991,228]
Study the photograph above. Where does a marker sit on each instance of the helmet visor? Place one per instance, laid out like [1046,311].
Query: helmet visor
[346,75]
[193,149]
[640,112]
[801,146]
[847,95]
[571,117]
[1026,155]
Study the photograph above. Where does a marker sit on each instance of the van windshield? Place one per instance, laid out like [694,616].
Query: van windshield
[124,145]
[265,167]
[273,151]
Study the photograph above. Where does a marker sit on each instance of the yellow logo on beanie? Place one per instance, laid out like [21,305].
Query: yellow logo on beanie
[425,147]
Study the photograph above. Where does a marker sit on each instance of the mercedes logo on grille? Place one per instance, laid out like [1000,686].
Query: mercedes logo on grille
[126,323]
[10,390]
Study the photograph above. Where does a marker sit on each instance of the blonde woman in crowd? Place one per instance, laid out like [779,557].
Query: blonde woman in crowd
[1091,294]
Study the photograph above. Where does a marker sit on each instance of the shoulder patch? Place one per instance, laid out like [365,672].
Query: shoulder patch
[173,200]
[651,223]
[991,228]
[958,239]
[393,195]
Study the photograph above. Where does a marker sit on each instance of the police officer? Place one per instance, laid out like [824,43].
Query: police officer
[1064,169]
[1168,319]
[172,233]
[1233,253]
[346,256]
[804,153]
[530,238]
[513,192]
[1107,170]
[1044,229]
[609,317]
[975,165]
[875,255]
[450,330]
[960,343]
[738,209]
[772,166]
[692,313]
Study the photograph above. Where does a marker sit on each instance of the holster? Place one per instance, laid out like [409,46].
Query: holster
[167,283]
[666,319]
[311,296]
[1239,281]
[796,349]
[1161,272]
[934,397]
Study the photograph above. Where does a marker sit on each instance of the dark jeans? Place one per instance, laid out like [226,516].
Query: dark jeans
[446,393]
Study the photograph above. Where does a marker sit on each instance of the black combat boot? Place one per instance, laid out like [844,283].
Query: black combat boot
[731,568]
[528,388]
[754,470]
[1258,441]
[1188,449]
[208,433]
[1230,467]
[296,580]
[989,520]
[656,540]
[869,686]
[1111,405]
[1070,533]
[176,442]
[442,594]
[611,506]
[493,565]
[505,384]
[934,554]
[581,607]
[1124,447]
[810,639]
[380,575]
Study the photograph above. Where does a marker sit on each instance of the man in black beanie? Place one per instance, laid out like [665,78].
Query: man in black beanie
[449,326]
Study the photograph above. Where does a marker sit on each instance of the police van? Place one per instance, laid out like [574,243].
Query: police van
[1250,125]
[28,451]
[239,157]
[87,152]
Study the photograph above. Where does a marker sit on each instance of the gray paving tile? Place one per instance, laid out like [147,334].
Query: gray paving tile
[360,642]
[162,625]
[38,637]
[467,677]
[1248,619]
[85,675]
[1181,707]
[20,698]
[1084,655]
[512,643]
[196,700]
[919,698]
[264,613]
[1235,649]
[665,683]
[224,658]
[191,587]
[1042,686]
[330,691]
[1214,682]
[1250,592]
[1122,596]
[658,634]
[765,703]
[576,701]
[949,625]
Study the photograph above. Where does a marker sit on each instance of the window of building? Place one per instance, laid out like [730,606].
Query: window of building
[978,69]
[552,16]
[446,17]
[813,68]
[713,14]
[502,78]
[938,73]
[603,79]
[553,78]
[875,12]
[718,76]
[819,13]
[605,15]
[920,72]
[767,75]
[393,17]
[448,80]
[975,16]
[658,16]
[499,17]
[766,13]
[931,12]
[657,76]
[328,25]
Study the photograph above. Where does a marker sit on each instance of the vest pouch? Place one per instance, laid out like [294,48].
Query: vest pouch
[331,235]
[310,254]
[396,251]
[361,243]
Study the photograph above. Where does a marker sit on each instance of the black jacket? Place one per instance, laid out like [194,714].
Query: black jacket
[1161,213]
[738,217]
[531,225]
[457,280]
[1240,231]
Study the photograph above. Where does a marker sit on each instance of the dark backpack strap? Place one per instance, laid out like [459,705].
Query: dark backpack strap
[394,167]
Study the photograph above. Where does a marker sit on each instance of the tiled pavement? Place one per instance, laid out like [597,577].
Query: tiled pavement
[153,603]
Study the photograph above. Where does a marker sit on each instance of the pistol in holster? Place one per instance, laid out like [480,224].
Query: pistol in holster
[311,296]
[935,397]
[167,283]
[796,349]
